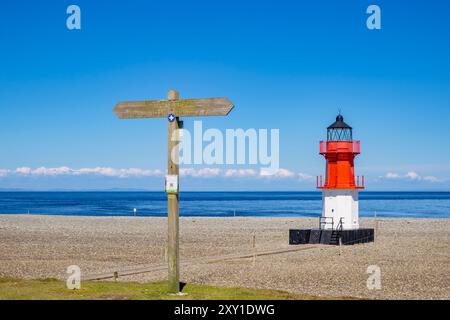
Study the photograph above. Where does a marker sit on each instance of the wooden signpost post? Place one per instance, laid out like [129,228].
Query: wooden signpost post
[173,108]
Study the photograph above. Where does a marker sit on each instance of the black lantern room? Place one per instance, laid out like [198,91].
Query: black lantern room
[339,131]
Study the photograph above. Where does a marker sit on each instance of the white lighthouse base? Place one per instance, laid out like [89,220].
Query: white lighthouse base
[337,204]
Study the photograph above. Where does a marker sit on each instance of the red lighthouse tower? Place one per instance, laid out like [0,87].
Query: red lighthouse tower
[340,190]
[339,222]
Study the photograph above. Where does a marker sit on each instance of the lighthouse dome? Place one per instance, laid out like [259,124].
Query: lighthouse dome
[339,130]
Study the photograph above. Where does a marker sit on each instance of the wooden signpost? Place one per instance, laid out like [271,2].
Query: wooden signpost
[173,108]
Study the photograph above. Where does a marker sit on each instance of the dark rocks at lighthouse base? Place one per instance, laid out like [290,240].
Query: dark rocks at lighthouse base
[326,236]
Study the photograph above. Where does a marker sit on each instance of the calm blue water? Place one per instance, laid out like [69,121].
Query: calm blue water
[221,204]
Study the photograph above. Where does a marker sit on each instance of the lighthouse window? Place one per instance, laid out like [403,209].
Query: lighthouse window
[339,130]
[341,134]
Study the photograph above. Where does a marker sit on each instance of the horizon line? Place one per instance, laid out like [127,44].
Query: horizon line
[198,191]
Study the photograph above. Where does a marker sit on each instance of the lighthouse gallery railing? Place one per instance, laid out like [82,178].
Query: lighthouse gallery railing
[359,183]
[340,146]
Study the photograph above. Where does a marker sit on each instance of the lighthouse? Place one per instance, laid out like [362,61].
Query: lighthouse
[340,186]
[339,220]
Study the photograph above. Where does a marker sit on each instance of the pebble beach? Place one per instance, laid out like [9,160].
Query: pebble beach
[413,254]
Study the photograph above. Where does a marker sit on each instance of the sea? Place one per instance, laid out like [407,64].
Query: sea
[221,204]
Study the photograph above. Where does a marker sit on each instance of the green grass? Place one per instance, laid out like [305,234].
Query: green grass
[51,289]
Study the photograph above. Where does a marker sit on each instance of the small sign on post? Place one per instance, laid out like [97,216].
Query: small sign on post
[171,183]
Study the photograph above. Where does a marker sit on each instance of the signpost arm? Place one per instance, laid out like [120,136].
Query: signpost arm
[173,252]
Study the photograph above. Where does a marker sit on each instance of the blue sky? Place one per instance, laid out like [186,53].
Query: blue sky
[284,64]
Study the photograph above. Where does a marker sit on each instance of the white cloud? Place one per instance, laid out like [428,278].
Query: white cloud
[203,173]
[119,173]
[305,177]
[196,173]
[102,171]
[284,173]
[109,172]
[4,172]
[410,176]
[413,176]
[240,173]
[432,179]
[279,173]
[137,172]
[23,170]
[391,175]
[42,171]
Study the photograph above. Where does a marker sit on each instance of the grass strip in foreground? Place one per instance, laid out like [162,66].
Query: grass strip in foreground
[52,289]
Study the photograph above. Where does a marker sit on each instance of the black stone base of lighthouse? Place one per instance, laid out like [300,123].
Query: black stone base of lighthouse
[327,236]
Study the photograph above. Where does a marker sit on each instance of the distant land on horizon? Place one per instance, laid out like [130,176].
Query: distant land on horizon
[210,191]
